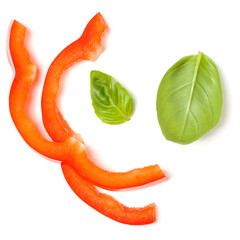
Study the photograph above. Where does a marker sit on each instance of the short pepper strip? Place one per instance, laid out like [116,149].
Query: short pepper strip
[25,75]
[87,47]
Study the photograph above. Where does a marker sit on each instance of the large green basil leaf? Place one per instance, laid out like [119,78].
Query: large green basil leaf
[189,99]
[111,102]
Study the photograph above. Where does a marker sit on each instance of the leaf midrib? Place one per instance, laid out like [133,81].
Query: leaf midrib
[119,110]
[199,57]
[114,105]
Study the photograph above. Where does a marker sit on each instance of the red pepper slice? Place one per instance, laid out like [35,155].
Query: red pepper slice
[25,74]
[87,47]
[106,204]
[76,156]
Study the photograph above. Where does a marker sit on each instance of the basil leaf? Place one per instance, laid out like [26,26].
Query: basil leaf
[189,99]
[111,102]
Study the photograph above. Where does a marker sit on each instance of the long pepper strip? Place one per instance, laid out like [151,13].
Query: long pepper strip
[87,47]
[106,204]
[25,75]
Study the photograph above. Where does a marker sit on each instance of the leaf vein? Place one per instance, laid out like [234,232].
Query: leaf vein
[175,91]
[195,121]
[175,69]
[209,75]
[209,104]
[179,110]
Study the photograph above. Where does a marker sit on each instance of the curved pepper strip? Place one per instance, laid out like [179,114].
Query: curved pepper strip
[106,204]
[87,47]
[25,74]
[74,155]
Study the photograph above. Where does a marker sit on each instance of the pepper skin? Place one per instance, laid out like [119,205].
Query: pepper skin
[25,75]
[87,47]
[75,156]
[106,204]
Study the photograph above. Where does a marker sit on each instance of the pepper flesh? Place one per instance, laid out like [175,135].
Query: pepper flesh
[25,75]
[106,204]
[76,156]
[87,47]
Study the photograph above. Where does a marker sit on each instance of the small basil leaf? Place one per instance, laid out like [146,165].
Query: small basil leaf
[189,99]
[111,102]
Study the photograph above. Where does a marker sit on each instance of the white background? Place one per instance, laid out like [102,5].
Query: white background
[200,199]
